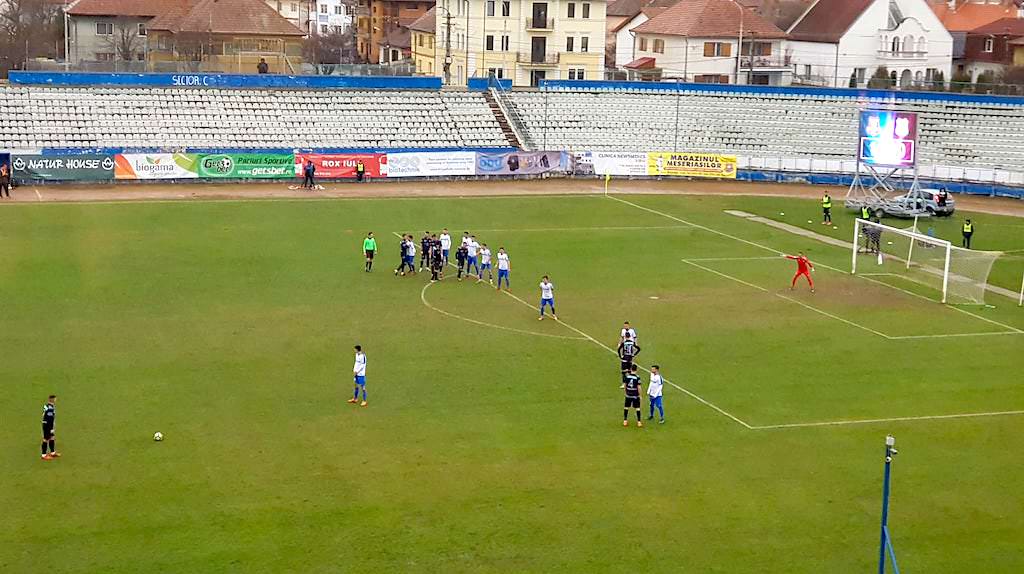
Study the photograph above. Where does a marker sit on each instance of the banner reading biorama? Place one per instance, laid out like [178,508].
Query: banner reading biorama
[520,162]
[336,165]
[691,165]
[156,166]
[88,167]
[247,166]
[431,164]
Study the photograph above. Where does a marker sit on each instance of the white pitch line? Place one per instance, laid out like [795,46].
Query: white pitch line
[776,258]
[611,228]
[38,195]
[946,335]
[887,420]
[423,298]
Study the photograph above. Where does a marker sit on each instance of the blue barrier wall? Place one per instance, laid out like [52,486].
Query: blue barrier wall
[483,84]
[887,95]
[225,80]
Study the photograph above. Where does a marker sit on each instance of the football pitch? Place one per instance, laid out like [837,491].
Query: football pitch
[493,441]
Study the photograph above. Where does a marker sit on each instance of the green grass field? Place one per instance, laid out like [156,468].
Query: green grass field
[495,445]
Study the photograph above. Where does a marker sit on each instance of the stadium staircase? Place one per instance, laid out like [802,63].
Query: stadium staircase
[499,115]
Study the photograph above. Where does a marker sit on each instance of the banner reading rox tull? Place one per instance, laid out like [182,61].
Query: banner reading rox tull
[337,165]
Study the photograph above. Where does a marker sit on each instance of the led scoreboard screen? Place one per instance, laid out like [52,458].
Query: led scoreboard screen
[888,138]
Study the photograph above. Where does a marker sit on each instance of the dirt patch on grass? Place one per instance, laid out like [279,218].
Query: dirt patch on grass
[461,188]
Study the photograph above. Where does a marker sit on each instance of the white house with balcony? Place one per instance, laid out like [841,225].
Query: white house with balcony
[709,41]
[841,43]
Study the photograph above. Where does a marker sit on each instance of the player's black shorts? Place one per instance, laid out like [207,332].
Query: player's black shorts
[827,210]
[633,402]
[47,432]
[369,254]
[626,364]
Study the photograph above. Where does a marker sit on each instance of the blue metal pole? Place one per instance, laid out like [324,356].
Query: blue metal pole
[885,512]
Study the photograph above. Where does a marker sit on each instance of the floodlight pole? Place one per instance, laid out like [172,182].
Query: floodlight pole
[886,542]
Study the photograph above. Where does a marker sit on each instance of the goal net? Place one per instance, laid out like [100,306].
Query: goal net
[951,274]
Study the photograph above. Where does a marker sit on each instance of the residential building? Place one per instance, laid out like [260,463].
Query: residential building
[622,16]
[522,40]
[963,16]
[330,17]
[993,48]
[223,36]
[384,24]
[108,30]
[711,41]
[297,12]
[842,43]
[423,42]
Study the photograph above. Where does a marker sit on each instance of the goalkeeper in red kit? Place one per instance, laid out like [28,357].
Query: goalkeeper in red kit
[803,267]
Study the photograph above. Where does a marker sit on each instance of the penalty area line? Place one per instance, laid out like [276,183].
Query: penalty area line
[887,420]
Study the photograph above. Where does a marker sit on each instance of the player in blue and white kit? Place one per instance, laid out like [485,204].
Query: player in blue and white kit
[446,244]
[485,263]
[547,298]
[654,394]
[359,376]
[471,250]
[504,266]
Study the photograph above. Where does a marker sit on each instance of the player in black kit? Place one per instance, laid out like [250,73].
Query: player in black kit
[436,262]
[49,419]
[631,382]
[628,350]
[425,244]
[461,255]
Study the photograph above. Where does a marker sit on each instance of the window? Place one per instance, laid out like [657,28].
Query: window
[490,7]
[859,73]
[643,44]
[577,73]
[504,43]
[430,67]
[584,43]
[496,73]
[989,42]
[489,42]
[569,43]
[430,42]
[338,10]
[711,79]
[140,56]
[712,49]
[572,10]
[586,10]
[104,56]
[142,29]
[295,7]
[922,44]
[323,28]
[506,7]
[659,46]
[807,70]
[323,8]
[895,46]
[107,28]
[419,40]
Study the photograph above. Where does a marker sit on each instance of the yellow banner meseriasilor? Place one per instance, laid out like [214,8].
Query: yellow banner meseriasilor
[691,165]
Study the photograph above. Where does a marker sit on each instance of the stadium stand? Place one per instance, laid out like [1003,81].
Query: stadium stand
[115,117]
[763,125]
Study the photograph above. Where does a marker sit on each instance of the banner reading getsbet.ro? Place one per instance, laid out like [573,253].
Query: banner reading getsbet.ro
[247,166]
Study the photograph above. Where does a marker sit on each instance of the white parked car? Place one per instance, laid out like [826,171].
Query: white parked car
[934,201]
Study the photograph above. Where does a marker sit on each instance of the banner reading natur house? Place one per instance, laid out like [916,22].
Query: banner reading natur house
[87,167]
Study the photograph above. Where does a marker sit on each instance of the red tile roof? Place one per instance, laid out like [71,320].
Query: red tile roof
[968,16]
[628,8]
[709,19]
[1007,26]
[425,23]
[136,8]
[828,20]
[251,17]
[645,63]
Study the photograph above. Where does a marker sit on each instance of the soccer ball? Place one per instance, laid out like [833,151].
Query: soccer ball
[158,436]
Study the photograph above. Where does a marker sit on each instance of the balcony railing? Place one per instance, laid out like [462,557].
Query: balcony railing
[548,59]
[540,24]
[902,54]
[756,62]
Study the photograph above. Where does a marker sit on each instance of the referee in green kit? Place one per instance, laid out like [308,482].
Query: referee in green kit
[370,248]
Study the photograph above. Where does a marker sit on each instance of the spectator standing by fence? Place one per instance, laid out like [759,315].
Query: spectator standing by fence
[262,67]
[5,180]
[307,175]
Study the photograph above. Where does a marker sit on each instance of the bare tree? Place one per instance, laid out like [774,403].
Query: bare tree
[126,42]
[28,29]
[335,48]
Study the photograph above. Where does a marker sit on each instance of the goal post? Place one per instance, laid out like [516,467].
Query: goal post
[950,274]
